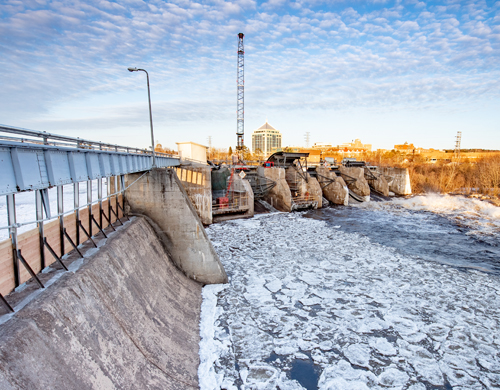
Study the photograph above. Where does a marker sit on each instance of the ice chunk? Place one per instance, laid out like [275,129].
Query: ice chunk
[393,378]
[274,286]
[342,376]
[261,377]
[417,386]
[358,354]
[382,346]
[302,356]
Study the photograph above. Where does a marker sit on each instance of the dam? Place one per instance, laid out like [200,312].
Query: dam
[126,319]
[108,294]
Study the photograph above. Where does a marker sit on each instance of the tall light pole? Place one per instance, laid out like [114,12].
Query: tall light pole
[150,114]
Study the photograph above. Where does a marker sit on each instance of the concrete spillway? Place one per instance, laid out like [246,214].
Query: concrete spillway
[127,319]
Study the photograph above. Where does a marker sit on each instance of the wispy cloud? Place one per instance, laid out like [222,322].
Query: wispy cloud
[304,54]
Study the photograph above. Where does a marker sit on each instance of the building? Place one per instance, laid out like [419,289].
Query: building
[267,139]
[322,145]
[405,148]
[355,146]
[192,151]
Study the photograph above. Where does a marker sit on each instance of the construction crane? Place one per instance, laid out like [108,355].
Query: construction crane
[240,81]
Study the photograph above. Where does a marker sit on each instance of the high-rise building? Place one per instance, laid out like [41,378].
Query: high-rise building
[267,139]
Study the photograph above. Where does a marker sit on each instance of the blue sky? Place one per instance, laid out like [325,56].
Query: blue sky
[383,71]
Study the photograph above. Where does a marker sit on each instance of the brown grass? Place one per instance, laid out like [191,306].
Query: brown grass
[481,176]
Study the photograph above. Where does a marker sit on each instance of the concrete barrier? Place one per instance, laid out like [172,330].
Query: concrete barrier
[127,319]
[160,196]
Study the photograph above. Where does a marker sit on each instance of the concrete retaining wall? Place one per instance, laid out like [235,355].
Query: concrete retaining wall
[197,182]
[398,179]
[128,319]
[160,196]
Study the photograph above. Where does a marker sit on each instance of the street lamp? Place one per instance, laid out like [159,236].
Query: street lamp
[150,114]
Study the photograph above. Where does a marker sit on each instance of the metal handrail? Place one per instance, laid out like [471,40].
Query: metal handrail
[80,143]
[67,212]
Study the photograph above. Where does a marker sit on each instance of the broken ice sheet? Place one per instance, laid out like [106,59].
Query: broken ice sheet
[364,315]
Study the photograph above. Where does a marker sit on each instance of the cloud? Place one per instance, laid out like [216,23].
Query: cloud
[299,55]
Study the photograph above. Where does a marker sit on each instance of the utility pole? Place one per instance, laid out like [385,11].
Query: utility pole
[240,83]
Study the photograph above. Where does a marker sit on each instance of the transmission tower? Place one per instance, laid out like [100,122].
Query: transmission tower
[458,139]
[240,81]
[307,137]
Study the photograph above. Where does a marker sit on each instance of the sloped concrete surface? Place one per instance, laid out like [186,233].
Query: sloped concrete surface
[127,319]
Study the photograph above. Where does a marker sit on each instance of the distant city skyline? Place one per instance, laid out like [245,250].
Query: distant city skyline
[386,72]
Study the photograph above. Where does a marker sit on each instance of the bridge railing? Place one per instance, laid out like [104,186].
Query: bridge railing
[53,164]
[44,138]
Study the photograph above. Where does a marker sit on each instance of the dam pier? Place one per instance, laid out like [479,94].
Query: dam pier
[104,291]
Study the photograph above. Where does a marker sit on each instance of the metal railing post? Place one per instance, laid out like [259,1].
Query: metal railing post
[11,216]
[99,197]
[89,203]
[109,192]
[76,204]
[60,211]
[39,217]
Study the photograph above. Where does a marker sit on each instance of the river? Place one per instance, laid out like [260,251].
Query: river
[402,294]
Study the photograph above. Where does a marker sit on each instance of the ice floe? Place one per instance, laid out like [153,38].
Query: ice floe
[351,313]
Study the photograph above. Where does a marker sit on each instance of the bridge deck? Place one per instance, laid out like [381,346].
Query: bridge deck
[27,165]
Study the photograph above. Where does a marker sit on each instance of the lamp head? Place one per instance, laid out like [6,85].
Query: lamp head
[133,69]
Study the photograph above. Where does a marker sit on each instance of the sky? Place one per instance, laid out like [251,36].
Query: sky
[386,72]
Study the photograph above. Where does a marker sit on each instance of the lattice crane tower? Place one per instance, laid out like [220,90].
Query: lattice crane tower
[240,93]
[458,140]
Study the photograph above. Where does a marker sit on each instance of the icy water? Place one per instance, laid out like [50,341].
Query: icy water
[385,295]
[449,229]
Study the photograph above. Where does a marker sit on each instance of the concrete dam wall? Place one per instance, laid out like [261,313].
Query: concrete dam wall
[127,319]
